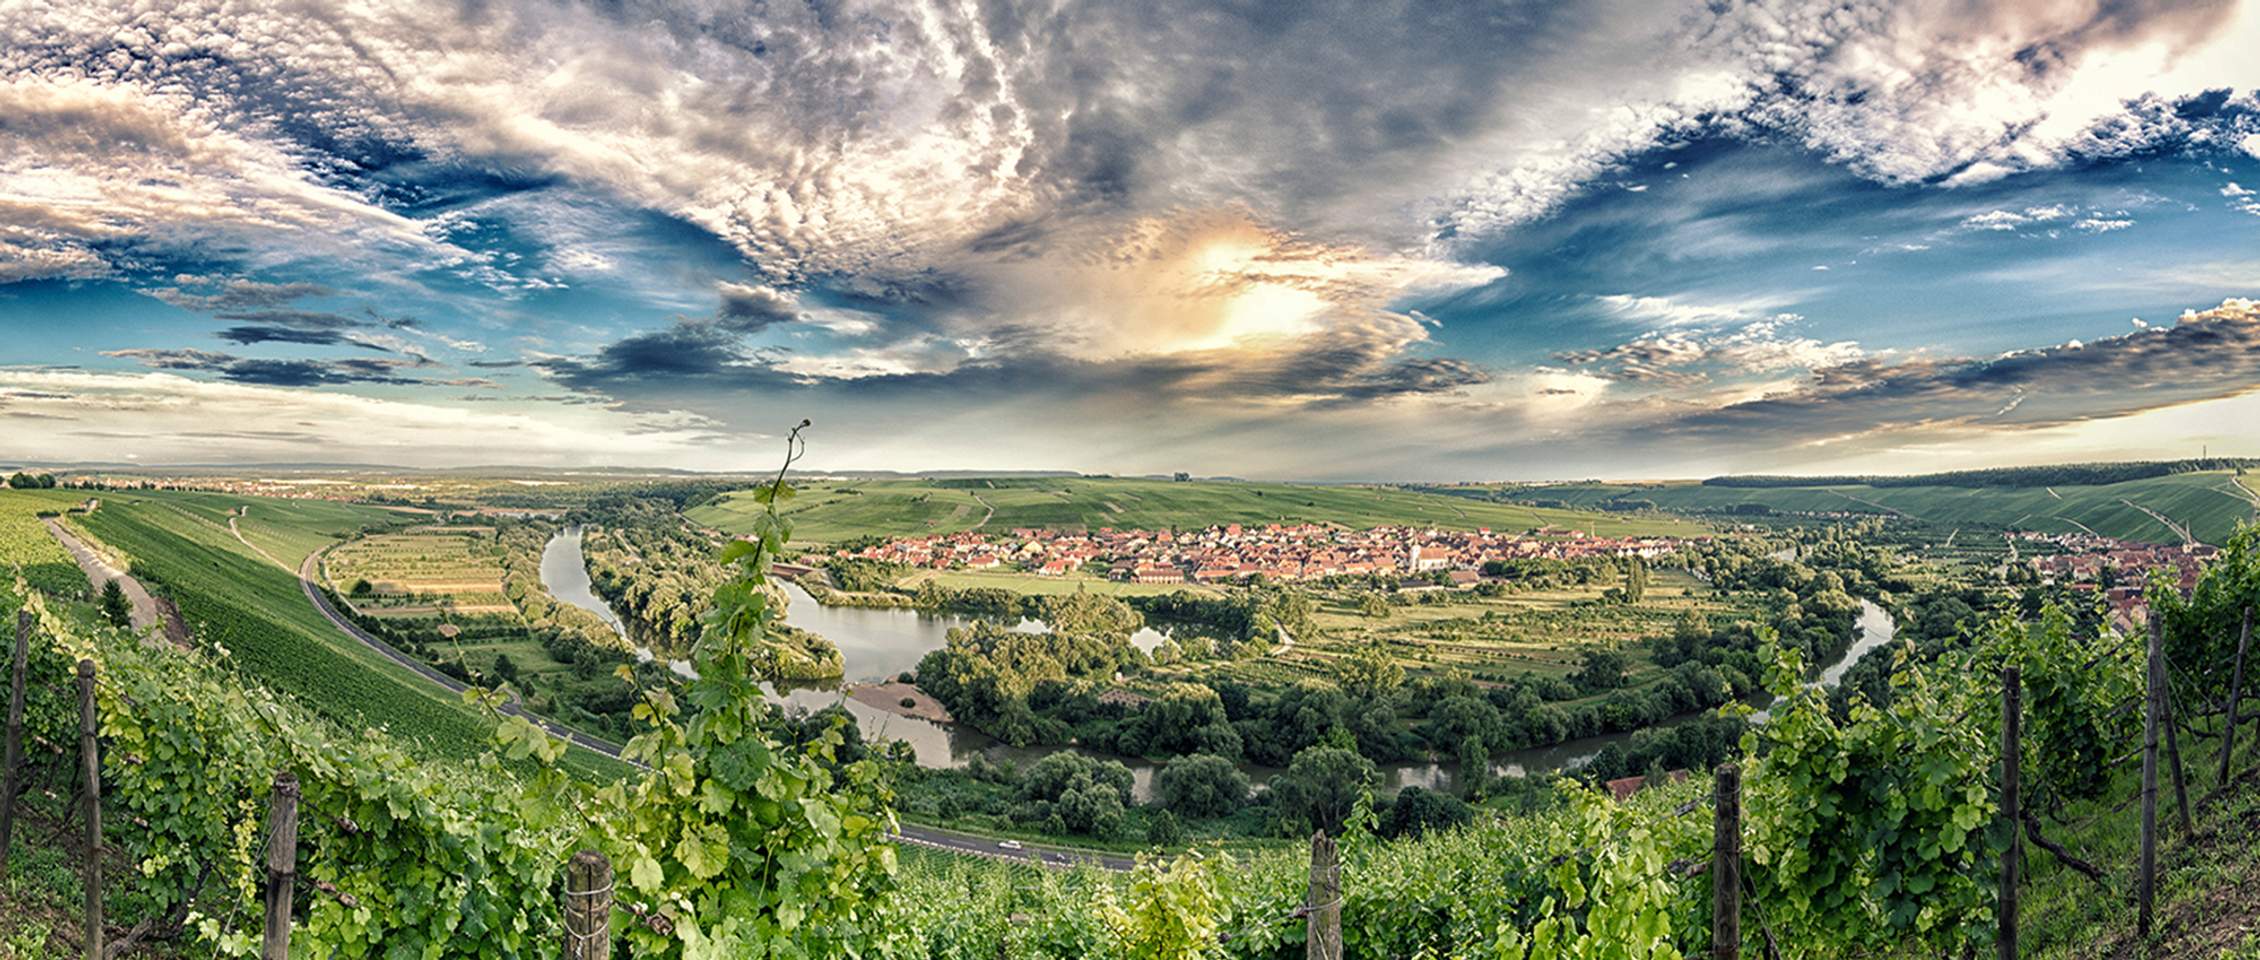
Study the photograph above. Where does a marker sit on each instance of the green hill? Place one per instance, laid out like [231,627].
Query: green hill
[2204,505]
[832,511]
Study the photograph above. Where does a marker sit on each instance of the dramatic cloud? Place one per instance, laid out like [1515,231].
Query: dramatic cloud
[2205,355]
[1282,223]
[753,308]
[288,373]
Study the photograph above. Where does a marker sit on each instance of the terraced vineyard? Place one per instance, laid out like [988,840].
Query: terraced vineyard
[25,545]
[832,511]
[423,572]
[236,599]
[2204,505]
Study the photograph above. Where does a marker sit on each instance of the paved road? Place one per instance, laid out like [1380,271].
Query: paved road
[146,611]
[321,602]
[924,836]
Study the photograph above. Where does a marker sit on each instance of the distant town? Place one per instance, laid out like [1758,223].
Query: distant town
[1232,552]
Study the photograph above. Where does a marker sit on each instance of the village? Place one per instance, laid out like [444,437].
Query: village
[2119,569]
[1232,552]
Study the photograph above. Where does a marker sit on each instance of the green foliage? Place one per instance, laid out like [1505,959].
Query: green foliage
[1201,785]
[1321,789]
[115,607]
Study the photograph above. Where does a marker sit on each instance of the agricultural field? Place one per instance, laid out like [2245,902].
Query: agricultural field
[2204,505]
[423,572]
[236,599]
[832,511]
[26,546]
[1542,631]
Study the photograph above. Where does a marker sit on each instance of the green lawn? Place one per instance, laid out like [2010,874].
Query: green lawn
[832,511]
[2208,504]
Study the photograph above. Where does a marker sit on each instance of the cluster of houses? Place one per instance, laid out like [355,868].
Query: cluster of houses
[2119,569]
[1233,552]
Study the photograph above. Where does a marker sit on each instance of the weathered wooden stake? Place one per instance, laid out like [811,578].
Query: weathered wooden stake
[2172,722]
[1726,863]
[282,865]
[2012,759]
[11,776]
[2236,693]
[588,907]
[2146,872]
[91,760]
[1322,939]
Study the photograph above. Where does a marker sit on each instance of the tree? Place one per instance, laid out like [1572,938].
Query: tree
[1201,785]
[1599,670]
[115,607]
[1322,787]
[1163,829]
[1374,606]
[1371,670]
[1417,811]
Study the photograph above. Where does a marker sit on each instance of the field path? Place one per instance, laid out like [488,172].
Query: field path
[147,611]
[2178,529]
[246,511]
[984,521]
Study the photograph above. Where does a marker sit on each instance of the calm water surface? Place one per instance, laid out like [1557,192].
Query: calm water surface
[878,644]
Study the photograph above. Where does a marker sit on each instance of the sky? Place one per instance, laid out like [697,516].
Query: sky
[1298,240]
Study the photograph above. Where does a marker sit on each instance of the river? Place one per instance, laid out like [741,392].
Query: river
[877,644]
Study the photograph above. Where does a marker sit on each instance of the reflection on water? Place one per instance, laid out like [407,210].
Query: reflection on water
[878,644]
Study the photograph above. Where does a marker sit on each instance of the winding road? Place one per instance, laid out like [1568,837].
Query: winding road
[329,611]
[930,837]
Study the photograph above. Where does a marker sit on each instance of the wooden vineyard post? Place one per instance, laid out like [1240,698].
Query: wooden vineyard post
[1726,863]
[91,760]
[2012,760]
[2172,722]
[282,865]
[2228,733]
[1322,939]
[2146,869]
[11,778]
[588,907]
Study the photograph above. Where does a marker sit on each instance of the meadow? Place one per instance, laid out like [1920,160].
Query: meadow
[422,572]
[2207,505]
[832,511]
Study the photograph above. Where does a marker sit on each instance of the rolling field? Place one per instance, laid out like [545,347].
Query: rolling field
[1540,631]
[424,572]
[26,546]
[233,597]
[2206,505]
[828,511]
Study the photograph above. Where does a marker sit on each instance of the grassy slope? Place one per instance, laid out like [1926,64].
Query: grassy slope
[2209,504]
[231,596]
[838,511]
[25,545]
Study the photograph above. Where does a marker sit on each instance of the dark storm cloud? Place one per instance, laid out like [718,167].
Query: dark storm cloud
[752,308]
[296,319]
[2207,355]
[239,294]
[251,334]
[700,365]
[286,373]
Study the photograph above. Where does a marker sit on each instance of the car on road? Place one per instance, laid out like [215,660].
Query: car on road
[1008,844]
